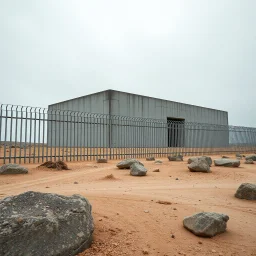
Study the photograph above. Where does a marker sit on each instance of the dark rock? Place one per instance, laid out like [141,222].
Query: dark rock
[253,157]
[42,224]
[156,170]
[249,161]
[102,160]
[59,165]
[150,158]
[158,162]
[206,224]
[138,170]
[206,158]
[246,191]
[225,156]
[13,169]
[199,165]
[227,162]
[175,158]
[125,164]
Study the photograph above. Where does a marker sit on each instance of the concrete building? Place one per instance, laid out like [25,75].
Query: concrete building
[127,120]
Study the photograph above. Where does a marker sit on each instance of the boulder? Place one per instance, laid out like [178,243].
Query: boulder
[125,164]
[253,157]
[199,165]
[207,158]
[227,162]
[206,224]
[41,224]
[249,161]
[239,155]
[138,170]
[175,158]
[13,169]
[102,160]
[150,158]
[246,191]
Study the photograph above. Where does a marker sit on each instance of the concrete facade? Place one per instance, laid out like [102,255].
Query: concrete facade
[121,132]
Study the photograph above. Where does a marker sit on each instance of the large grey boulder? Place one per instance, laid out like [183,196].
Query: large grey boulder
[125,164]
[249,161]
[207,158]
[253,157]
[175,158]
[199,165]
[13,169]
[246,191]
[206,224]
[42,224]
[138,170]
[227,162]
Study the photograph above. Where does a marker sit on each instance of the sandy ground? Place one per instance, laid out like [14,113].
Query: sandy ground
[129,220]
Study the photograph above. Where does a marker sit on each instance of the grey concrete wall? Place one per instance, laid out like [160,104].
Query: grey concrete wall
[100,132]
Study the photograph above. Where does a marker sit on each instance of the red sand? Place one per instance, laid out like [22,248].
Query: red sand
[130,221]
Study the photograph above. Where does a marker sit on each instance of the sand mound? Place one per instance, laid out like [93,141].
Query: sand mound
[59,165]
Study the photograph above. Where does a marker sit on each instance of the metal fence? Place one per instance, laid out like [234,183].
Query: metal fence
[34,135]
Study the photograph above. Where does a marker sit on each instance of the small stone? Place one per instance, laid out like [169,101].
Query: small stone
[174,209]
[146,211]
[213,251]
[47,187]
[145,251]
[199,242]
[100,219]
[221,254]
[156,170]
[115,244]
[75,182]
[172,236]
[177,178]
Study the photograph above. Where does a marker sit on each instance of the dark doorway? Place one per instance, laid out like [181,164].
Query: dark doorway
[176,132]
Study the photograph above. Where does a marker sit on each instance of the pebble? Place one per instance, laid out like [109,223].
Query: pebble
[199,242]
[75,182]
[146,211]
[213,251]
[145,251]
[177,178]
[172,236]
[100,219]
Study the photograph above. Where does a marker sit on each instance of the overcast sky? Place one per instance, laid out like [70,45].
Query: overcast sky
[193,51]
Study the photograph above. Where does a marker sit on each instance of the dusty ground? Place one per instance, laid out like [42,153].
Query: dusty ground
[128,219]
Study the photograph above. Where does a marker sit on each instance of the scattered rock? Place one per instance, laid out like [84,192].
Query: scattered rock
[206,158]
[138,170]
[246,191]
[253,157]
[156,170]
[175,158]
[227,162]
[249,161]
[13,169]
[206,224]
[61,225]
[163,202]
[158,162]
[59,165]
[199,165]
[150,158]
[102,160]
[125,164]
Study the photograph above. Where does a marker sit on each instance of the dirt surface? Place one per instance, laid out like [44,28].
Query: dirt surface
[129,220]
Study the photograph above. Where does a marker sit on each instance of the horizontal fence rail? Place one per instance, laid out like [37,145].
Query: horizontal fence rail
[35,135]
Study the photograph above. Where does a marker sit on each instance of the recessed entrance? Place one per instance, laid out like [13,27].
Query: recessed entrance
[176,132]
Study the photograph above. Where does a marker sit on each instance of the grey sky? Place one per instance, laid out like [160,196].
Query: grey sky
[193,51]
